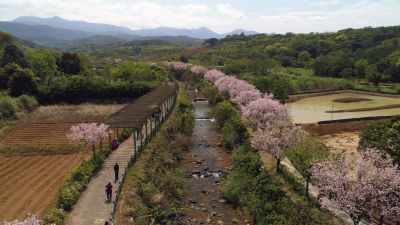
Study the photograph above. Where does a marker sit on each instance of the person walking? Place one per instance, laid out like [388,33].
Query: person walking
[109,188]
[116,171]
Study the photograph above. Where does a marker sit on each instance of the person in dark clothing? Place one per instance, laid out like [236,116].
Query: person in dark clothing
[107,223]
[116,170]
[109,188]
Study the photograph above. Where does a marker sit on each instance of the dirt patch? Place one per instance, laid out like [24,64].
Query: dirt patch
[44,131]
[366,109]
[336,128]
[31,183]
[351,100]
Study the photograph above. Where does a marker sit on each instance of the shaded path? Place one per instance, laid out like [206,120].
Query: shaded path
[92,207]
[206,164]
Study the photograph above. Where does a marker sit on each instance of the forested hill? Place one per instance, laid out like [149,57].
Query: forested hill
[372,53]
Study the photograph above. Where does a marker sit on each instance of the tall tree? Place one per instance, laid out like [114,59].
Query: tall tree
[12,54]
[70,63]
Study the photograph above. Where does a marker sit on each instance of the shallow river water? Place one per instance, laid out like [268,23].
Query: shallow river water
[206,165]
[314,109]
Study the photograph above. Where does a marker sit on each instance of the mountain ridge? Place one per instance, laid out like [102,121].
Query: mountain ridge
[114,30]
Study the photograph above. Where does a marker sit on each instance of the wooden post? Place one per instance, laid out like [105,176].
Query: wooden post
[141,138]
[134,141]
[117,133]
[145,140]
[109,139]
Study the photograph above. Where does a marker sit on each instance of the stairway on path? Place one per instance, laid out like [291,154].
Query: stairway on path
[92,208]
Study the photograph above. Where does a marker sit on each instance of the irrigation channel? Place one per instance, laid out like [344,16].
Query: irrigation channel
[206,165]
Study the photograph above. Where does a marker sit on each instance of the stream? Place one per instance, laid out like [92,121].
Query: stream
[206,165]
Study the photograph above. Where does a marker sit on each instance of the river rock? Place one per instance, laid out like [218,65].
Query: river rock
[220,222]
[234,220]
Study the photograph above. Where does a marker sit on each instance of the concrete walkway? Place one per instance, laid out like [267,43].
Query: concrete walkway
[92,208]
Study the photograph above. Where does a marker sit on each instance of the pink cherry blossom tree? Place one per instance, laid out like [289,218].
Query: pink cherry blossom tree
[30,220]
[213,75]
[90,133]
[199,70]
[176,65]
[371,186]
[277,139]
[245,97]
[265,112]
[225,84]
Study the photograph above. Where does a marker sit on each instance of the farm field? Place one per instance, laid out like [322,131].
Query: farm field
[44,131]
[344,105]
[31,183]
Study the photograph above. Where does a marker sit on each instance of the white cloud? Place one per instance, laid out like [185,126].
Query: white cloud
[295,16]
[229,10]
[359,14]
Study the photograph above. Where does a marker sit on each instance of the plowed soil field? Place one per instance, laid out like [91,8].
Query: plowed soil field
[31,183]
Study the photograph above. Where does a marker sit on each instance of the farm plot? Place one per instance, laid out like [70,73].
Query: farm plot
[44,131]
[31,183]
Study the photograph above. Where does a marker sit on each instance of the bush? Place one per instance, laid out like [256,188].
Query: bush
[28,103]
[80,177]
[224,111]
[7,108]
[55,217]
[234,132]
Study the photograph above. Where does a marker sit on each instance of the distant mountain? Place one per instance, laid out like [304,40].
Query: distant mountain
[112,30]
[240,31]
[40,34]
[97,28]
[201,33]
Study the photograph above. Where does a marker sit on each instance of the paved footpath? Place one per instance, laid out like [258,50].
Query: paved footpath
[92,208]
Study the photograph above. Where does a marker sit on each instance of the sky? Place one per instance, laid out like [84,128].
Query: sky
[267,16]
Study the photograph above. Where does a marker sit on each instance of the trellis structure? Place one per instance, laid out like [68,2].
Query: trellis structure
[144,115]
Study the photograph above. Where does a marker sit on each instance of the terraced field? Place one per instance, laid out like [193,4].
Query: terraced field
[44,131]
[31,183]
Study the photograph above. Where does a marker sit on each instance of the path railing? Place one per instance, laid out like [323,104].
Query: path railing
[138,147]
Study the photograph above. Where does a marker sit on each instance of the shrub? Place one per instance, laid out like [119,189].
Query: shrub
[55,217]
[234,132]
[7,108]
[224,111]
[28,103]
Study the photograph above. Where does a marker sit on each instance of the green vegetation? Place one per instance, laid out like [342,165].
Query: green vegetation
[72,188]
[305,154]
[13,108]
[383,136]
[158,186]
[343,59]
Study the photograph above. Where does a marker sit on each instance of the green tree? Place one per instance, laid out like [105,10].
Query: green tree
[70,63]
[211,41]
[12,54]
[22,81]
[304,56]
[281,89]
[184,58]
[373,75]
[360,67]
[383,136]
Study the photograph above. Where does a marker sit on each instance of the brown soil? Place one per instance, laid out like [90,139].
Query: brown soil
[335,128]
[31,183]
[44,130]
[351,100]
[297,97]
[366,109]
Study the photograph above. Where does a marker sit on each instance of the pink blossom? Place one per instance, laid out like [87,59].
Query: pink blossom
[225,83]
[214,75]
[245,97]
[176,65]
[373,189]
[30,220]
[265,112]
[277,139]
[199,70]
[90,133]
